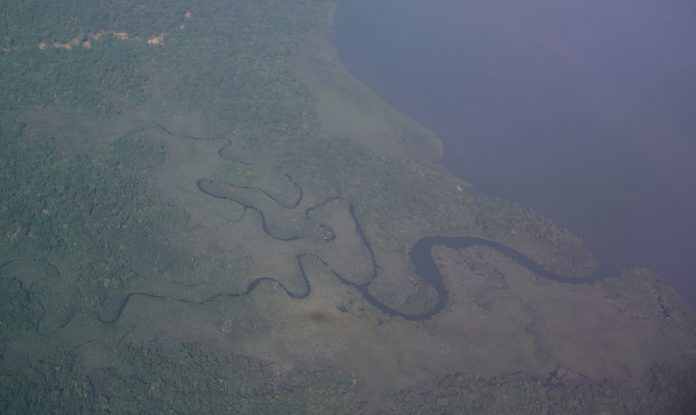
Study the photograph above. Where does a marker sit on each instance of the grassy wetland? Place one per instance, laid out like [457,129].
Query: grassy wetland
[203,212]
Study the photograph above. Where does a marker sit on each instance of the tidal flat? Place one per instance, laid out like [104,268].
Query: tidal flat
[221,222]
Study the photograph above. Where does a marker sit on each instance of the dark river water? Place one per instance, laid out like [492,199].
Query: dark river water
[583,110]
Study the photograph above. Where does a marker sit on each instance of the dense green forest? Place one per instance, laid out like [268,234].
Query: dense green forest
[87,225]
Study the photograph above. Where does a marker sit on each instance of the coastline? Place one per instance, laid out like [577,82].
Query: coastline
[620,249]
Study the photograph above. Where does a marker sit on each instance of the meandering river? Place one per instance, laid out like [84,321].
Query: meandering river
[581,110]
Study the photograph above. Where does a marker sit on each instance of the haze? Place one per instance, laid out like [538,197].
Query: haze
[581,110]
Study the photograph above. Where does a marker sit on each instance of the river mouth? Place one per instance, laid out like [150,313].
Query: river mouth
[587,127]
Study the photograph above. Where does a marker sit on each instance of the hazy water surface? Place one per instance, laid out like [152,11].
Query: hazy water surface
[585,111]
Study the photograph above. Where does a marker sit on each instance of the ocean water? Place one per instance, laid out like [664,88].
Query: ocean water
[584,111]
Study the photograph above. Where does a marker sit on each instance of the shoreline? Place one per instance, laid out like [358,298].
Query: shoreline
[598,246]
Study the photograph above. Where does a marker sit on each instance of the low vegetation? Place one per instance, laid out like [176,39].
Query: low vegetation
[122,283]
